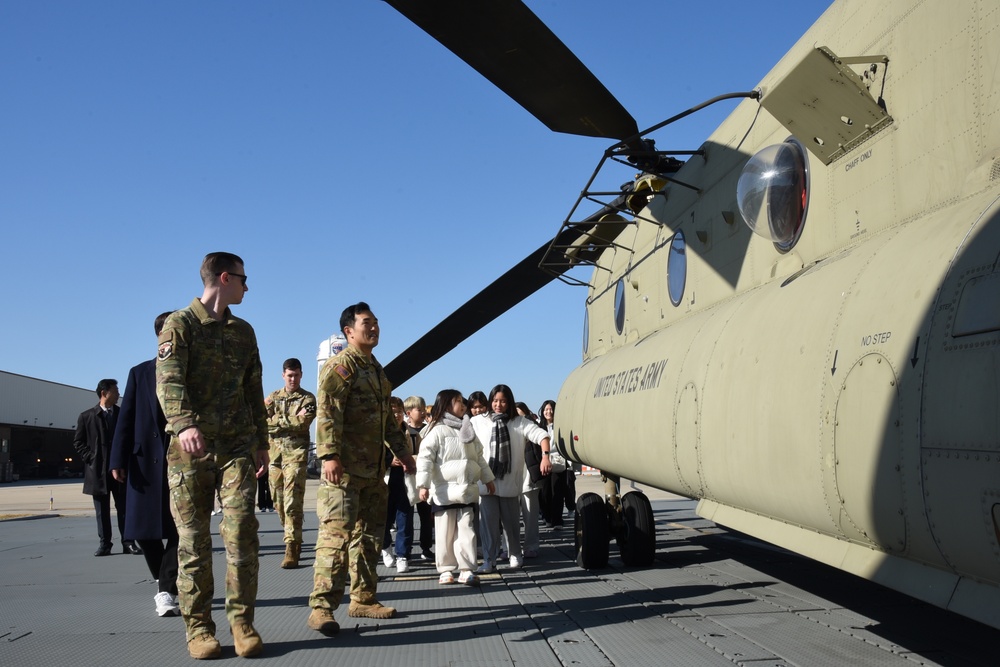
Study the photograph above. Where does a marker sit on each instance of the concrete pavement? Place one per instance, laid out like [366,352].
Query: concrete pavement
[64,497]
[711,598]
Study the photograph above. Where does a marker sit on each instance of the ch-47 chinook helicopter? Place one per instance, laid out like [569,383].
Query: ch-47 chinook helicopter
[797,322]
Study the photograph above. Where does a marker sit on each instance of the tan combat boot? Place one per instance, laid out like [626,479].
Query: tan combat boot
[292,552]
[322,621]
[246,640]
[372,610]
[204,647]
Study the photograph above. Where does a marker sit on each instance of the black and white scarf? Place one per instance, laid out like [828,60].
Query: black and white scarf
[499,446]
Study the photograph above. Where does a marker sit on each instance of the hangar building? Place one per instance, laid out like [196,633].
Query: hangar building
[37,423]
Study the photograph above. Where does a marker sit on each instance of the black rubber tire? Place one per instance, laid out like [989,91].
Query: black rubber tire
[592,532]
[637,543]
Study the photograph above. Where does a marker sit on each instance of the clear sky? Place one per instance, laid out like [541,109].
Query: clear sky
[343,153]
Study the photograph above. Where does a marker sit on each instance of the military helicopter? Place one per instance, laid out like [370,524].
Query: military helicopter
[798,321]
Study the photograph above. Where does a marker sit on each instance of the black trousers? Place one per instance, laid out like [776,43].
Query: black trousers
[162,559]
[552,496]
[264,501]
[426,527]
[102,507]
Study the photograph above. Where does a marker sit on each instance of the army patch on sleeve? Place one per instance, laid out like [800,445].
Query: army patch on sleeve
[342,371]
[164,351]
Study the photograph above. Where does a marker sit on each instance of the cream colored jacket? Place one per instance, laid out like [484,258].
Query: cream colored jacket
[449,468]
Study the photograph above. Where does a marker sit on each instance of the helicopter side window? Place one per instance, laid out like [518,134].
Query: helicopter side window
[677,268]
[773,193]
[620,306]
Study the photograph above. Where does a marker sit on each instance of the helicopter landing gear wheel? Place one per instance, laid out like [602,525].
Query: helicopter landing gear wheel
[637,540]
[592,532]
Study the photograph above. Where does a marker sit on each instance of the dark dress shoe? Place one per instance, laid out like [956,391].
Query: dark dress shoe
[105,550]
[132,548]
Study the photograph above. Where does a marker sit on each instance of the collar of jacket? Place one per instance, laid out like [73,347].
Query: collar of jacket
[362,358]
[199,309]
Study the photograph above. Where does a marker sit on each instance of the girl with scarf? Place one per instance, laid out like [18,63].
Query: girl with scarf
[449,465]
[506,432]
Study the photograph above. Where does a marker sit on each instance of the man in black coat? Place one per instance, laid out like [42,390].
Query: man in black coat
[137,460]
[95,428]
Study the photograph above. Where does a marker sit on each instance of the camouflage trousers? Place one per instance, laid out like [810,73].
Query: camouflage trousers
[287,477]
[351,523]
[193,483]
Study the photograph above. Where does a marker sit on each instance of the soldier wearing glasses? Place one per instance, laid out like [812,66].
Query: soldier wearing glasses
[208,382]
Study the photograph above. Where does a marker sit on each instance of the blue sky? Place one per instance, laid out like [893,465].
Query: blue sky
[343,153]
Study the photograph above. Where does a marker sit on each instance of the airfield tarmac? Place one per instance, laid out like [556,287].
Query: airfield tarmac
[713,597]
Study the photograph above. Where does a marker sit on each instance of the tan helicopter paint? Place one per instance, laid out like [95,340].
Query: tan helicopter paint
[851,413]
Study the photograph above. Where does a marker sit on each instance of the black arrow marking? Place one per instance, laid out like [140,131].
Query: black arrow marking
[914,358]
[833,370]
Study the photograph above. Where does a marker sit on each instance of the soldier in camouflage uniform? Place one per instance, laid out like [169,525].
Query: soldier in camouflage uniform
[290,411]
[208,382]
[354,424]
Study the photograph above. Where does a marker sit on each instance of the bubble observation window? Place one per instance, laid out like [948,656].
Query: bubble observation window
[773,193]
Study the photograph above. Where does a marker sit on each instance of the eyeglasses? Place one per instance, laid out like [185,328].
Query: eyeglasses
[241,276]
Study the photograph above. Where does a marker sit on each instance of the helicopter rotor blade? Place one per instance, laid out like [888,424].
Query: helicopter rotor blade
[510,289]
[510,46]
[520,282]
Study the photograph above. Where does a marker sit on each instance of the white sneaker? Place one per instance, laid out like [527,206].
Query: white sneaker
[401,565]
[387,558]
[468,578]
[166,605]
[446,578]
[515,563]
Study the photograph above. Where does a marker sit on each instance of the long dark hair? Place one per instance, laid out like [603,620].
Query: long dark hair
[508,394]
[524,410]
[541,413]
[443,401]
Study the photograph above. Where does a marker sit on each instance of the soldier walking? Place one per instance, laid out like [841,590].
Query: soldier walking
[290,412]
[208,382]
[354,423]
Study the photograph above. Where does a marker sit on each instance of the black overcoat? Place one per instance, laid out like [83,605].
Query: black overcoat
[92,442]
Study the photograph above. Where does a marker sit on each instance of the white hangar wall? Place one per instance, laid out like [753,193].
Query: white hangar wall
[37,422]
[33,402]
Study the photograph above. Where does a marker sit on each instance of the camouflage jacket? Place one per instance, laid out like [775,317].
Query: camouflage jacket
[283,420]
[208,374]
[354,420]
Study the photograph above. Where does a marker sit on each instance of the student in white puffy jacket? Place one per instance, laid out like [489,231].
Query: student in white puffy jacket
[450,467]
[506,432]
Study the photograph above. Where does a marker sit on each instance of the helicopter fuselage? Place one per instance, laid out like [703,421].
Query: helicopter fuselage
[838,397]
